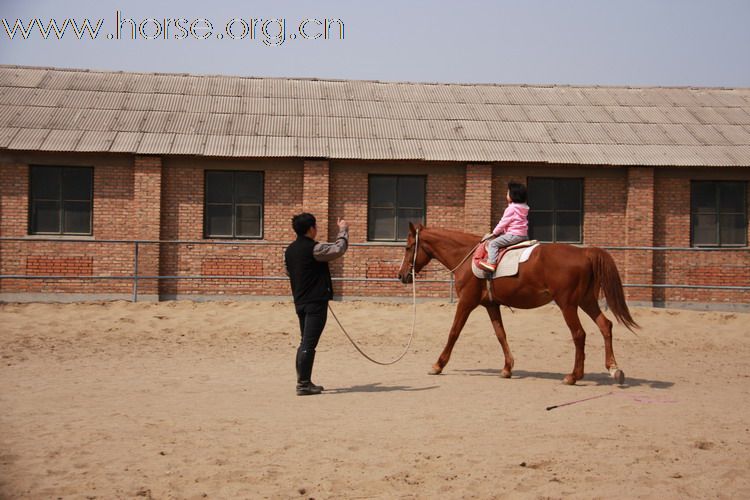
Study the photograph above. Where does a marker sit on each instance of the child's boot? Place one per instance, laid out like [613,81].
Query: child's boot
[487,266]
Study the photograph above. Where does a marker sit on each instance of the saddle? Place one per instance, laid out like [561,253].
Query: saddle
[507,262]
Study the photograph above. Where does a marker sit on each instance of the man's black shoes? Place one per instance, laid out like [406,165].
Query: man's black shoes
[308,389]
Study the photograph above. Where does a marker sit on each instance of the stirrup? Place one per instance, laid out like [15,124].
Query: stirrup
[487,266]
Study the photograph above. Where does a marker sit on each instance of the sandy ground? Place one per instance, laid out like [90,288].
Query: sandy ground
[196,400]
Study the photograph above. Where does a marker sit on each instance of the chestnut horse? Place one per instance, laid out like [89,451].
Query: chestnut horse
[571,276]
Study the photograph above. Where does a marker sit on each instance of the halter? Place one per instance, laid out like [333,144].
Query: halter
[414,257]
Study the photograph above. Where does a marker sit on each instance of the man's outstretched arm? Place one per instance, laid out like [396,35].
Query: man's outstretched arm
[325,252]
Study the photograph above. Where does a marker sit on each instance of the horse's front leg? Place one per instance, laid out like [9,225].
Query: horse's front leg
[459,320]
[497,324]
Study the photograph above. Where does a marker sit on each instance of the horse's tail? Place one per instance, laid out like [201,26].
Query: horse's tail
[607,280]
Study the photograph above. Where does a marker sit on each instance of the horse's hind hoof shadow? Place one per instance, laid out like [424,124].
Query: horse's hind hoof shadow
[591,378]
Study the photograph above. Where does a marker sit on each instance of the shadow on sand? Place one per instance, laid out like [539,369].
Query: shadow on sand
[376,387]
[590,378]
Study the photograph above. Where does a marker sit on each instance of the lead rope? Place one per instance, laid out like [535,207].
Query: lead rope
[471,252]
[413,321]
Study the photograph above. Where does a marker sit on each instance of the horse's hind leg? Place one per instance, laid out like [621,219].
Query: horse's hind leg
[591,307]
[570,313]
[497,324]
[459,320]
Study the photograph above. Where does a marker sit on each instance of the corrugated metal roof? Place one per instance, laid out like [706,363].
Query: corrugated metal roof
[188,144]
[6,135]
[29,138]
[707,135]
[563,132]
[314,147]
[22,77]
[250,146]
[154,143]
[621,133]
[61,140]
[31,118]
[219,145]
[735,134]
[96,141]
[735,116]
[126,142]
[651,134]
[71,110]
[281,146]
[680,135]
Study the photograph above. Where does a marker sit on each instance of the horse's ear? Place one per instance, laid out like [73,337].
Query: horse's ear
[412,229]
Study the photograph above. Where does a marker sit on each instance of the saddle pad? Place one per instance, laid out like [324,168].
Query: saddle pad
[508,265]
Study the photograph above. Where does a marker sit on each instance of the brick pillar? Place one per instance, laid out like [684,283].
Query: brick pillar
[14,203]
[147,219]
[639,231]
[478,199]
[315,189]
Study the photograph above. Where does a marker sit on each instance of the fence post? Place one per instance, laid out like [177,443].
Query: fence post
[135,272]
[450,284]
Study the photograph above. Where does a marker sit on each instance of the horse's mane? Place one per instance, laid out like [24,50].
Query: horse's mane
[454,234]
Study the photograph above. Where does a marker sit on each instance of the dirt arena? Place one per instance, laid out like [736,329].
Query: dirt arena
[196,400]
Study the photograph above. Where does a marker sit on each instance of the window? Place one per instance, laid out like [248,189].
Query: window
[394,201]
[556,209]
[718,213]
[60,200]
[234,204]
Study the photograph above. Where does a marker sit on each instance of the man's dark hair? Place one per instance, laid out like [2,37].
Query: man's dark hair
[302,222]
[517,192]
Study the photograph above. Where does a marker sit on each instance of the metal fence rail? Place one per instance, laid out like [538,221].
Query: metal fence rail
[135,276]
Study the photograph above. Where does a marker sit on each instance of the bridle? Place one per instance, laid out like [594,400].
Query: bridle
[414,256]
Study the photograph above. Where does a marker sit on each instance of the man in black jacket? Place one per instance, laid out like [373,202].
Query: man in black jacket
[306,263]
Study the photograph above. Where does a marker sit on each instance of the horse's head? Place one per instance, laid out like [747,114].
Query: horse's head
[411,264]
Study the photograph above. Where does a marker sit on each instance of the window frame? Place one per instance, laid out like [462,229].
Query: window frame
[234,205]
[555,211]
[31,230]
[718,213]
[396,208]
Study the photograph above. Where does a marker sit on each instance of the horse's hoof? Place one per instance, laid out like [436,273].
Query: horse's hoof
[435,371]
[619,376]
[505,373]
[569,380]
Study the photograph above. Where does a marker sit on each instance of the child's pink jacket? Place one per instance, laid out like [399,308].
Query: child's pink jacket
[515,220]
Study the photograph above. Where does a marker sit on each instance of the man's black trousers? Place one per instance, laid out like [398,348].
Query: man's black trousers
[312,319]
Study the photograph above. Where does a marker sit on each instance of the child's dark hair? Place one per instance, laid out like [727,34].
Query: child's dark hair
[303,222]
[517,192]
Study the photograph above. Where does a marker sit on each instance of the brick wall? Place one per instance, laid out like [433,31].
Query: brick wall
[478,199]
[182,219]
[348,199]
[146,218]
[143,197]
[113,189]
[672,229]
[639,232]
[13,220]
[315,189]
